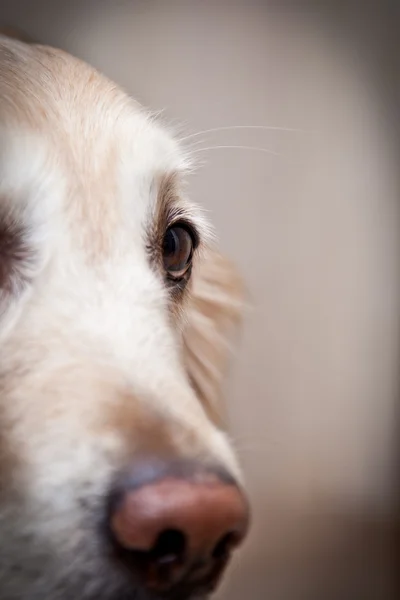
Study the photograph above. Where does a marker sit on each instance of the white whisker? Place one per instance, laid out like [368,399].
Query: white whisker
[228,147]
[233,127]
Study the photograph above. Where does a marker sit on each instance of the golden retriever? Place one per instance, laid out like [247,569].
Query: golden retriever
[117,478]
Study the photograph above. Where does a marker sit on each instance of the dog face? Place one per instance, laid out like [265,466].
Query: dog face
[113,320]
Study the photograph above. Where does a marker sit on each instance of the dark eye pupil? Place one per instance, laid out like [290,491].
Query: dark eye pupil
[171,243]
[177,249]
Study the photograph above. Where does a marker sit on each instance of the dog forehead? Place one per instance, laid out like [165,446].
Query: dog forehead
[83,117]
[72,140]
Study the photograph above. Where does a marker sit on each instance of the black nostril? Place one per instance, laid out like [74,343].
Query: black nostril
[174,530]
[161,566]
[169,547]
[225,545]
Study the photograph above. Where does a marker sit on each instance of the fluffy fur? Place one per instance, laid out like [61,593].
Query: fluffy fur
[99,360]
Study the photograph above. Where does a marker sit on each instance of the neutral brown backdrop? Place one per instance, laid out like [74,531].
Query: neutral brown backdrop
[312,219]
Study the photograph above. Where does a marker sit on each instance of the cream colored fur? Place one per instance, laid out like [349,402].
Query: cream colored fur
[96,366]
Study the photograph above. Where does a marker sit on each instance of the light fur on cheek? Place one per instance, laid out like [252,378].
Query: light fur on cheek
[214,313]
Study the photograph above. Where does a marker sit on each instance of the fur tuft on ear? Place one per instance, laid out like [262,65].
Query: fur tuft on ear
[214,313]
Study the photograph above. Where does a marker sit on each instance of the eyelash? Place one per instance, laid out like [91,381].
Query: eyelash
[173,218]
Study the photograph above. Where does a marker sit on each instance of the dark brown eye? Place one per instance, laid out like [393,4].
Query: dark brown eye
[177,250]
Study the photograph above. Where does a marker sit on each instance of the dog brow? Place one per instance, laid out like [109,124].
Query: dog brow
[171,206]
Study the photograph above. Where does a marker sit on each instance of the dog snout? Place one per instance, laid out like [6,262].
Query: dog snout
[175,525]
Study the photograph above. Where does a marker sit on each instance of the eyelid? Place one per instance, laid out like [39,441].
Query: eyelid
[179,275]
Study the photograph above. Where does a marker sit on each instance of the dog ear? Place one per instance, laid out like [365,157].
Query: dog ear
[214,313]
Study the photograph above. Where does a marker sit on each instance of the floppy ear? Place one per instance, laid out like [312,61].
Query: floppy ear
[214,313]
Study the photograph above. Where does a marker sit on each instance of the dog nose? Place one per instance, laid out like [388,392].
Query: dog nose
[176,525]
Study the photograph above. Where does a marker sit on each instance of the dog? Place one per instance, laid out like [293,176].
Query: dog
[118,480]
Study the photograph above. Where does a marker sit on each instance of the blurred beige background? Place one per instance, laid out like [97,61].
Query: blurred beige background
[314,228]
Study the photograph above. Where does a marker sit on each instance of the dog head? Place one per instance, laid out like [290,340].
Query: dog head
[117,480]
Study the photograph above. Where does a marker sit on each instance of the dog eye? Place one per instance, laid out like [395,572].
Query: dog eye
[178,247]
